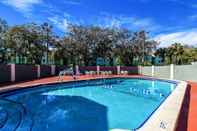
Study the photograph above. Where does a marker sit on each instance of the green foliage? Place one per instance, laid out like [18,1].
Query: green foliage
[147,63]
[24,42]
[118,61]
[3,29]
[177,54]
[82,45]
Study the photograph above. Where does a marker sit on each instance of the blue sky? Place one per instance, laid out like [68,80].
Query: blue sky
[167,21]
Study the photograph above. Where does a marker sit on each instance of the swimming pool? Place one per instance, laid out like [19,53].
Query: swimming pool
[90,105]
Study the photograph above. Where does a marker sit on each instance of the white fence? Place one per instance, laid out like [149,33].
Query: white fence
[178,72]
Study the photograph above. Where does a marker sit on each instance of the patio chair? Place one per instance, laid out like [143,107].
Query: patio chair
[66,72]
[87,73]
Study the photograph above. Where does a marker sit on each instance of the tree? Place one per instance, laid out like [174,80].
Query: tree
[174,54]
[81,42]
[90,43]
[178,53]
[26,41]
[161,52]
[104,44]
[3,30]
[82,45]
[35,41]
[16,39]
[134,46]
[124,47]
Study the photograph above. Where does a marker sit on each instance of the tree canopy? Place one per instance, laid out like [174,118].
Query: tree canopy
[83,45]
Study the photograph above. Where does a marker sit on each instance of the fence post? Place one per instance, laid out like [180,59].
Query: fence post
[38,71]
[77,70]
[153,71]
[140,70]
[118,70]
[52,69]
[13,73]
[172,71]
[97,69]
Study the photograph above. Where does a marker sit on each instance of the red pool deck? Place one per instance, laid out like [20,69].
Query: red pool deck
[188,115]
[192,116]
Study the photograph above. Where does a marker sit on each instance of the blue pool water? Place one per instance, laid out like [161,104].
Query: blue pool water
[94,105]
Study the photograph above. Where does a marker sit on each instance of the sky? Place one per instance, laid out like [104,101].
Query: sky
[167,21]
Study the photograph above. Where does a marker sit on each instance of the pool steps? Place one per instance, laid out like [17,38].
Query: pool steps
[16,118]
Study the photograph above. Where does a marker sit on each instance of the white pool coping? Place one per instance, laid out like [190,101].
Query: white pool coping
[166,116]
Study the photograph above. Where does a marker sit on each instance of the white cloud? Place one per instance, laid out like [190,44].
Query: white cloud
[61,23]
[22,5]
[194,5]
[133,23]
[193,17]
[146,23]
[188,37]
[72,2]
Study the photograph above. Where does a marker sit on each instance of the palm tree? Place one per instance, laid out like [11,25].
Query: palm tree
[161,52]
[178,53]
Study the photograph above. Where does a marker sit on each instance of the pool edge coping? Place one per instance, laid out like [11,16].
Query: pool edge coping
[165,118]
